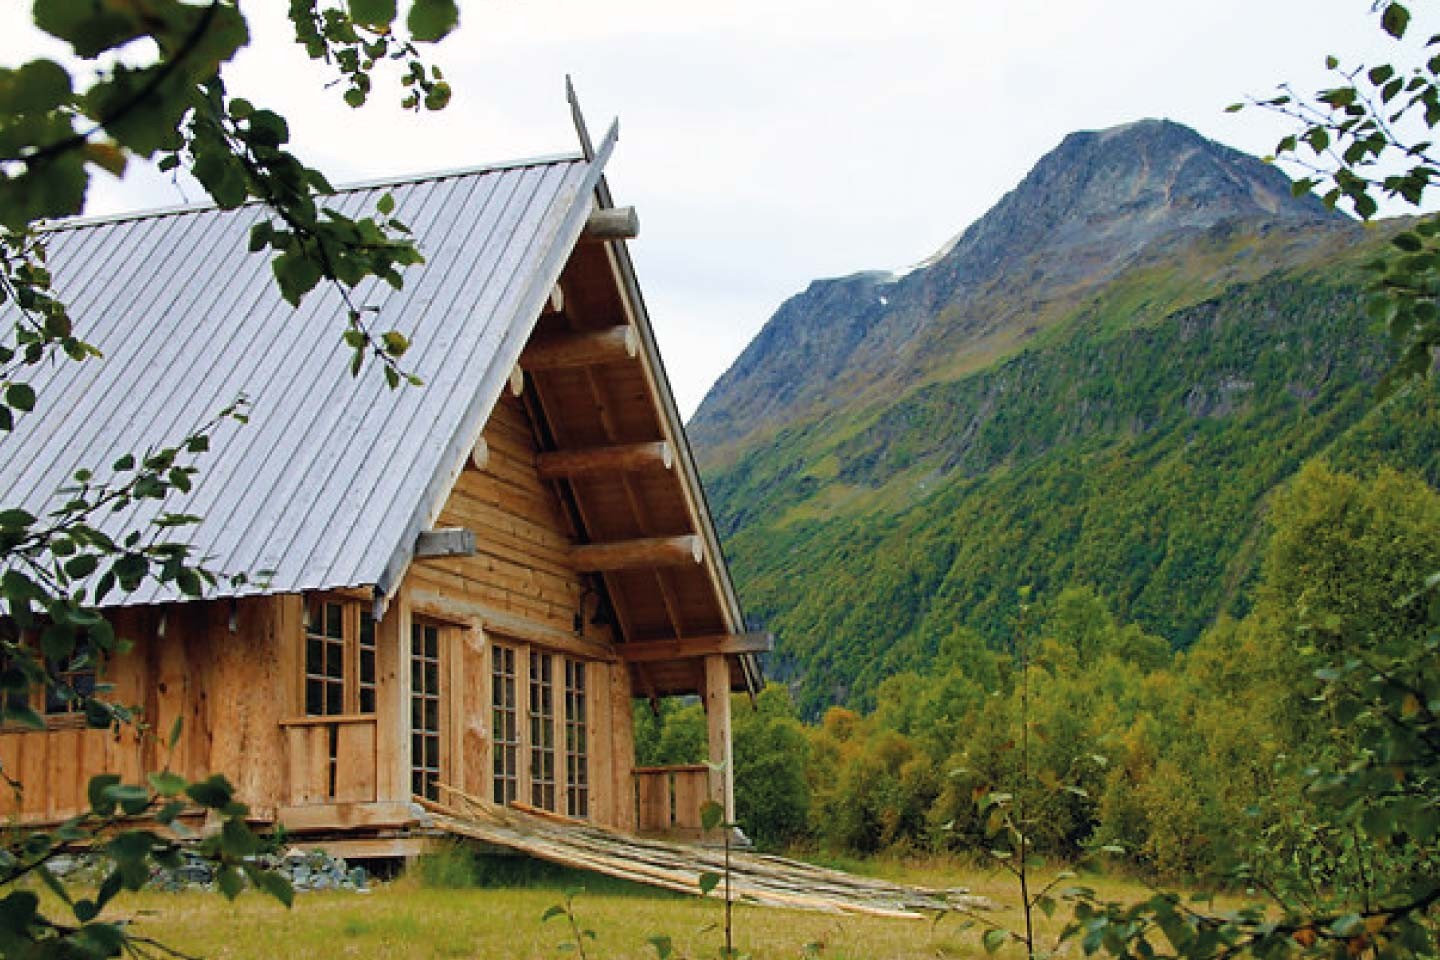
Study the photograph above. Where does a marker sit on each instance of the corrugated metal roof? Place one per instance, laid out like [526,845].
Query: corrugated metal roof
[333,477]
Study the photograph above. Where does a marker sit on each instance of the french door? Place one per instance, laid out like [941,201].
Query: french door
[540,726]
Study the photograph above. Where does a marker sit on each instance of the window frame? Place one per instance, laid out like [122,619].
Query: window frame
[354,621]
[522,785]
[439,695]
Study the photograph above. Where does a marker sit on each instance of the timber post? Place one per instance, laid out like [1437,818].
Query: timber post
[717,722]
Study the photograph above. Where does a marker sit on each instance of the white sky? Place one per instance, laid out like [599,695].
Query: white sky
[769,143]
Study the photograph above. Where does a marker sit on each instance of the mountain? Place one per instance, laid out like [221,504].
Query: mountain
[1097,204]
[1098,382]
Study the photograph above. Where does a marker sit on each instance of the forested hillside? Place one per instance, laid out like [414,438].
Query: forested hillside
[1127,445]
[1189,762]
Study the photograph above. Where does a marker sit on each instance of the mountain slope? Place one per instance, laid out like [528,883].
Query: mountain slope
[1181,337]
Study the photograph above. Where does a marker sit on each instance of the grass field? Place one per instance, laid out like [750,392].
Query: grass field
[407,919]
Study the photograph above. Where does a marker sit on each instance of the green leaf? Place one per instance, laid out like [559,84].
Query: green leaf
[551,912]
[994,939]
[237,839]
[272,883]
[395,343]
[297,276]
[98,793]
[131,845]
[431,20]
[373,13]
[438,97]
[214,792]
[708,881]
[664,946]
[82,565]
[15,519]
[88,27]
[1395,20]
[37,87]
[21,396]
[386,204]
[230,882]
[166,783]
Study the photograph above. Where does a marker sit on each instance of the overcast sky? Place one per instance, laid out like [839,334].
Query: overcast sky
[768,143]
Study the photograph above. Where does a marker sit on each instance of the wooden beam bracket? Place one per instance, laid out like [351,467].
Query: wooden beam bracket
[446,542]
[612,223]
[685,648]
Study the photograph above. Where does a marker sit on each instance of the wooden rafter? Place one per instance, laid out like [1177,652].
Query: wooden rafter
[568,351]
[614,458]
[641,553]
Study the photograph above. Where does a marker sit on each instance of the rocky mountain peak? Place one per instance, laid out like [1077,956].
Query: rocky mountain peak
[1112,192]
[1095,205]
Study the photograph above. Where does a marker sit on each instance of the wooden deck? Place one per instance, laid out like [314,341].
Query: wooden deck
[755,878]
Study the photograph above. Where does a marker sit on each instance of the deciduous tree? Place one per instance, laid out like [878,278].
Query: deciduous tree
[147,81]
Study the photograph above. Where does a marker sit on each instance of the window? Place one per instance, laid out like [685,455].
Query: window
[425,710]
[505,724]
[577,747]
[339,659]
[367,663]
[74,681]
[542,730]
[61,701]
[543,695]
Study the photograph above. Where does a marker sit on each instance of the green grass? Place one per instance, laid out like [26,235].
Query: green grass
[406,919]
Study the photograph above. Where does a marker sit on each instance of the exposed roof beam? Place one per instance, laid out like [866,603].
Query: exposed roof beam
[616,458]
[563,351]
[642,554]
[614,223]
[556,301]
[446,542]
[685,648]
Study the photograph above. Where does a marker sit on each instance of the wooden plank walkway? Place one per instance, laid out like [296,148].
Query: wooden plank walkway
[754,878]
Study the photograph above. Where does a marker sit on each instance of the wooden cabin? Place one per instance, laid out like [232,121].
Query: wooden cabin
[459,588]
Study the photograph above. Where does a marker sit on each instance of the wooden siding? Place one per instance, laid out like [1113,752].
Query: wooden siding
[226,686]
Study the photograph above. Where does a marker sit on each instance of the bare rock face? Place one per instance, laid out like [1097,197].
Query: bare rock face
[1100,202]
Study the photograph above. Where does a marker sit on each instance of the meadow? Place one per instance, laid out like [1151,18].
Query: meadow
[406,918]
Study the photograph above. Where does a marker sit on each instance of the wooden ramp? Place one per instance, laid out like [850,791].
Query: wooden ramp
[754,878]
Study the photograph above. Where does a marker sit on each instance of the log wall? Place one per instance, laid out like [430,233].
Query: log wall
[520,589]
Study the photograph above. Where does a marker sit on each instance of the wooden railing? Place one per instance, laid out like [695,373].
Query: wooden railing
[330,759]
[668,799]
